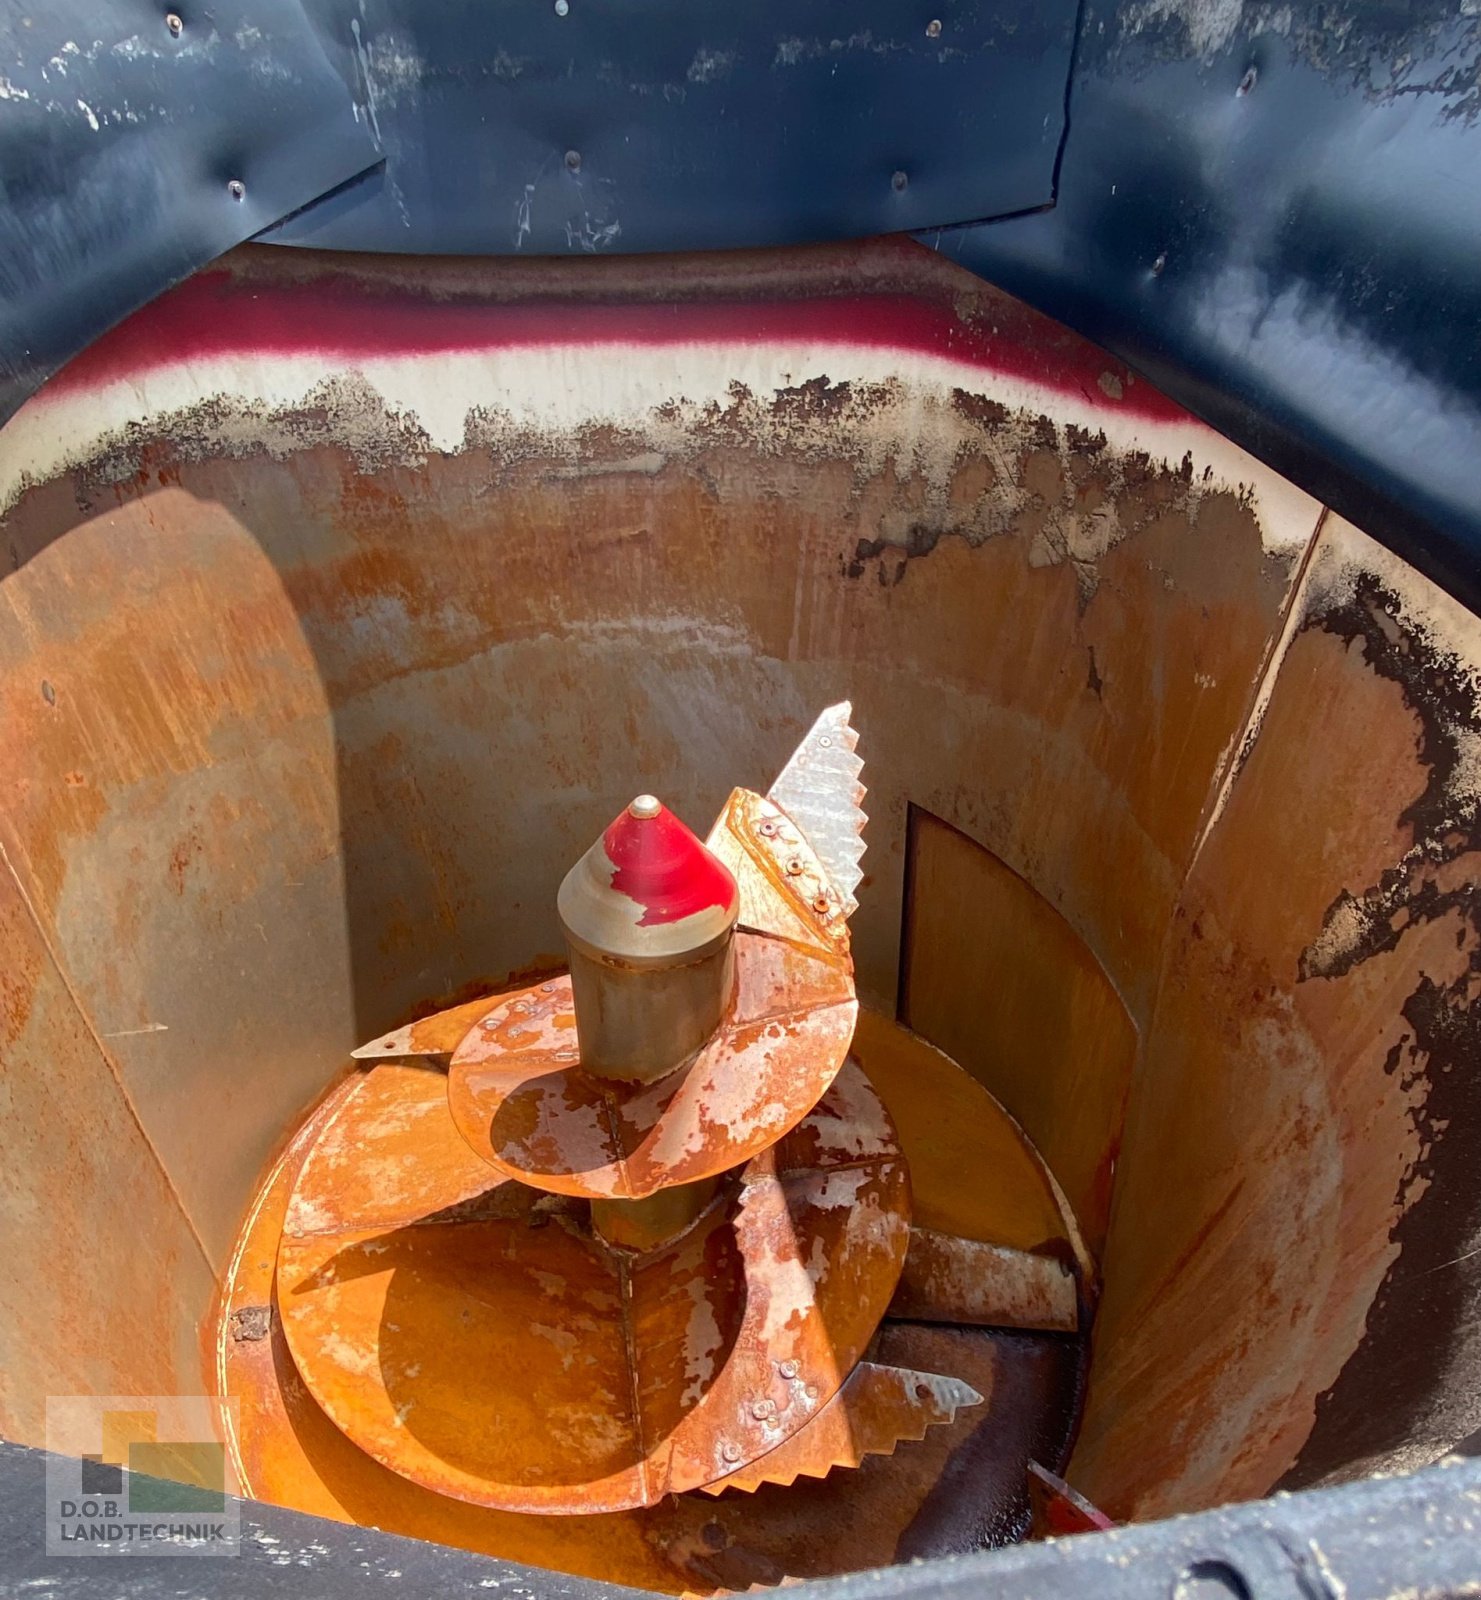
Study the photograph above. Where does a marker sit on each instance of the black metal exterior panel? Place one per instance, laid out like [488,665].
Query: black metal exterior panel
[1393,1536]
[281,1553]
[120,136]
[642,125]
[1282,229]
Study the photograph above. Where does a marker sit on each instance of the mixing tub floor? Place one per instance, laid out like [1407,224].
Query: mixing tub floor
[959,1488]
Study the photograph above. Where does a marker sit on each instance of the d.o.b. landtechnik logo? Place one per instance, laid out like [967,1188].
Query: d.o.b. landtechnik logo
[138,1475]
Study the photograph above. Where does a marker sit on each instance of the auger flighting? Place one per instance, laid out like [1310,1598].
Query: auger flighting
[640,1237]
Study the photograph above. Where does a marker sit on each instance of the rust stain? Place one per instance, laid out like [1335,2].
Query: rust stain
[390,608]
[571,1380]
[1275,1322]
[967,1282]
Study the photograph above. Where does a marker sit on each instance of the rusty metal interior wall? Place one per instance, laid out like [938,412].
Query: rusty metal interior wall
[345,597]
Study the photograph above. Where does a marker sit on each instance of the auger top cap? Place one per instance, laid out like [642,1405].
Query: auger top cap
[648,890]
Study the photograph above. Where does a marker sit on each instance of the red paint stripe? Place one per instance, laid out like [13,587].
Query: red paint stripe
[219,315]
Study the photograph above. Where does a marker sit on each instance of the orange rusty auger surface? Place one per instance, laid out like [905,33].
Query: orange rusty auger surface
[642,1233]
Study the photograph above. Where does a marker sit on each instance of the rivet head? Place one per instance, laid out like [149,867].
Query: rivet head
[562,7]
[731,1452]
[573,164]
[237,189]
[900,182]
[767,829]
[175,23]
[788,1369]
[811,1391]
[933,28]
[794,867]
[762,1410]
[820,903]
[646,806]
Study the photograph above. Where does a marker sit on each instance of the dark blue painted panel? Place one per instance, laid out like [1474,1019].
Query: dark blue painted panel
[639,125]
[1283,231]
[138,140]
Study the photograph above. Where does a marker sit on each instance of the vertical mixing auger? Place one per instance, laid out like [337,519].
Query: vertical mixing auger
[689,1210]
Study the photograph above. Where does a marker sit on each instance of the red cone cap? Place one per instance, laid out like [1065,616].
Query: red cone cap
[648,887]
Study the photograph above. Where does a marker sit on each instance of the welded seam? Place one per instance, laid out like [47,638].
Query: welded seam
[629,1339]
[1220,789]
[1260,695]
[107,1055]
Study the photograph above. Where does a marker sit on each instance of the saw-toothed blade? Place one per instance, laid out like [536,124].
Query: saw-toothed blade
[819,789]
[437,1035]
[876,1409]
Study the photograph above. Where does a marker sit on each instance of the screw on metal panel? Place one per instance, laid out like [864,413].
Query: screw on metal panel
[762,1410]
[1247,82]
[788,1369]
[899,182]
[1159,264]
[933,28]
[794,868]
[731,1452]
[646,805]
[573,164]
[820,903]
[237,189]
[175,23]
[562,7]
[825,743]
[766,829]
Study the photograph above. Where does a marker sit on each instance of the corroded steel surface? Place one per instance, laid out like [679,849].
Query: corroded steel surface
[949,1279]
[437,1035]
[938,1495]
[520,1098]
[1298,1222]
[281,566]
[258,519]
[480,1340]
[288,1451]
[950,1126]
[959,1488]
[877,1409]
[1057,1045]
[785,890]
